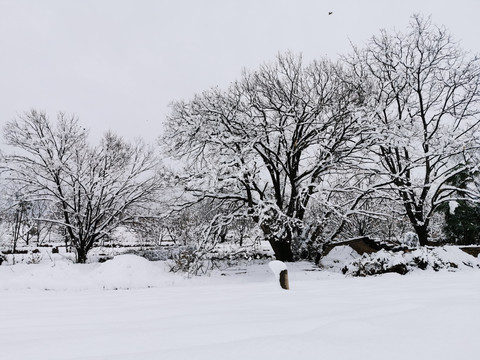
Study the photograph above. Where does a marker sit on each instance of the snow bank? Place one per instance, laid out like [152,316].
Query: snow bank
[449,258]
[134,272]
[122,272]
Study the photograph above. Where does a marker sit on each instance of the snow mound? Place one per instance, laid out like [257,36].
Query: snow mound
[338,257]
[127,272]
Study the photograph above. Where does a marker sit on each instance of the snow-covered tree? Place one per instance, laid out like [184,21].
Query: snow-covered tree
[271,143]
[424,92]
[91,189]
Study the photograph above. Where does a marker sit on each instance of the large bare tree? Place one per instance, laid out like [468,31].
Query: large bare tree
[424,93]
[270,143]
[91,189]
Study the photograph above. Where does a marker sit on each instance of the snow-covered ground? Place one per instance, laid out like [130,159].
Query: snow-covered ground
[71,311]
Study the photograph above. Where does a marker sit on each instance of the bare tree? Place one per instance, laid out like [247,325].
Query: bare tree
[424,92]
[94,189]
[21,224]
[268,143]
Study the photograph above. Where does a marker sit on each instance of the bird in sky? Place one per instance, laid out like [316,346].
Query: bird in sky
[330,12]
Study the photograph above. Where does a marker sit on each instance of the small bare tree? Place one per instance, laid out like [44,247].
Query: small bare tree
[94,189]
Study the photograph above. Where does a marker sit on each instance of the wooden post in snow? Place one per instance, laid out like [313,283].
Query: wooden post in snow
[284,279]
[280,270]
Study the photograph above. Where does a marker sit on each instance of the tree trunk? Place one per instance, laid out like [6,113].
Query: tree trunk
[422,233]
[282,250]
[415,210]
[281,246]
[81,255]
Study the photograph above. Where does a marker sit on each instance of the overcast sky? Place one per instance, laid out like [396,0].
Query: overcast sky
[117,64]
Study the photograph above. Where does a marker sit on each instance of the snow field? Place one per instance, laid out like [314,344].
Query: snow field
[242,315]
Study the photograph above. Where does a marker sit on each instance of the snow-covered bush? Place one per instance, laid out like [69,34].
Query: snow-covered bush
[381,262]
[410,240]
[188,259]
[338,257]
[34,257]
[376,263]
[198,260]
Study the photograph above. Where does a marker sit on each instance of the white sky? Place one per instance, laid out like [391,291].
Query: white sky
[117,64]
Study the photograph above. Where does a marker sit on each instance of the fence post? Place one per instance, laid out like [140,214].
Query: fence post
[280,270]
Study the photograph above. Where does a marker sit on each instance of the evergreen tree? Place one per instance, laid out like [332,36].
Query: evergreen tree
[462,217]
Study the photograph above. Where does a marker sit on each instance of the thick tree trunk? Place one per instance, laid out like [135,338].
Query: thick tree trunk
[281,246]
[282,250]
[422,233]
[81,255]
